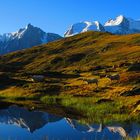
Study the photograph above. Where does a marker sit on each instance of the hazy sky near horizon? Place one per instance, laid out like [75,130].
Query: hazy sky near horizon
[57,15]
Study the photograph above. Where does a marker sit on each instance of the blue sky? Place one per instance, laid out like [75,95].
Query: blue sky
[56,15]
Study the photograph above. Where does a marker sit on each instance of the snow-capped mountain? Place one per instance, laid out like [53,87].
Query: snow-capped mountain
[119,25]
[83,27]
[25,38]
[122,25]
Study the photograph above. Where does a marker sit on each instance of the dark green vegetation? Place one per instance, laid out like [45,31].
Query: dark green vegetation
[65,63]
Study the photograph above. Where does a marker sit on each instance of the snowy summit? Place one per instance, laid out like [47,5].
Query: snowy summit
[25,38]
[119,25]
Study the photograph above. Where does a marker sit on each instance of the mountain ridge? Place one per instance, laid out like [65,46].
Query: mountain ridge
[84,27]
[25,38]
[120,25]
[32,36]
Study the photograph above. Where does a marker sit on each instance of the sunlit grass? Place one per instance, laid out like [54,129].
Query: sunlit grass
[97,49]
[129,138]
[107,112]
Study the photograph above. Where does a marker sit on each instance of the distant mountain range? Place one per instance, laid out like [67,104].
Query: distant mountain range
[32,36]
[120,25]
[25,38]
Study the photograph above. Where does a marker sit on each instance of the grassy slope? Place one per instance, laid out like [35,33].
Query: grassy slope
[96,48]
[66,62]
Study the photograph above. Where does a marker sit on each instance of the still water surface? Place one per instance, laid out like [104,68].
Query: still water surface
[18,123]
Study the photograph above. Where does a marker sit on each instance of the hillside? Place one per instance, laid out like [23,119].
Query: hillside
[66,64]
[80,52]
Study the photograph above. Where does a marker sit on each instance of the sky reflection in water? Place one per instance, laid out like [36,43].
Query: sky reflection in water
[20,124]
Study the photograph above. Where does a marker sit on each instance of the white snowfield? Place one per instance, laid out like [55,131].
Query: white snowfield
[83,27]
[119,25]
[115,22]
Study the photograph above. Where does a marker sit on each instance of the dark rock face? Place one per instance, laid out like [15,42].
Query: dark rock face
[124,26]
[25,38]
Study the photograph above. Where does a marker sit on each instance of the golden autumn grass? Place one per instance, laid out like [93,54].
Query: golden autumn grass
[65,63]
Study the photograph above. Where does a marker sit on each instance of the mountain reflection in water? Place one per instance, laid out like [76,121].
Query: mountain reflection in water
[18,123]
